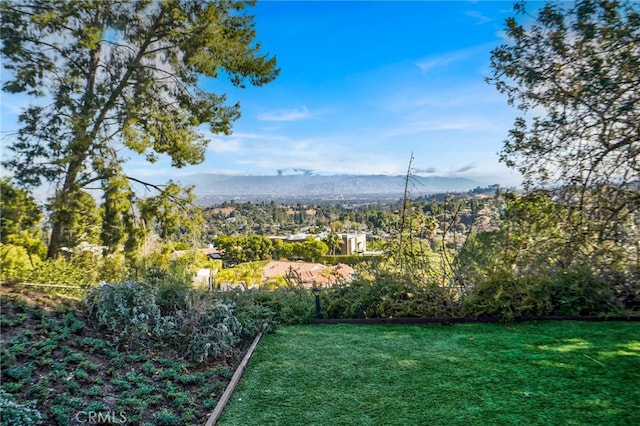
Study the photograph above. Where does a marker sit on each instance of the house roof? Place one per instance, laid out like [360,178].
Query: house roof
[310,274]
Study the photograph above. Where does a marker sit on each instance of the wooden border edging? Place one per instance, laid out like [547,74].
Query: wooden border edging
[459,320]
[226,396]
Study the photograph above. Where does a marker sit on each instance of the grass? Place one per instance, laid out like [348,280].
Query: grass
[561,373]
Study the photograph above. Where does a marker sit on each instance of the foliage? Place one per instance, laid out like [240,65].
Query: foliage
[503,295]
[15,262]
[333,242]
[208,329]
[566,292]
[311,249]
[81,216]
[163,311]
[535,240]
[88,372]
[283,305]
[349,259]
[20,220]
[172,219]
[241,249]
[579,292]
[83,267]
[248,275]
[120,75]
[387,296]
[128,310]
[576,69]
[17,414]
[532,240]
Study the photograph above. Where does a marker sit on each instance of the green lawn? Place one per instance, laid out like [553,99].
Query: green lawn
[542,373]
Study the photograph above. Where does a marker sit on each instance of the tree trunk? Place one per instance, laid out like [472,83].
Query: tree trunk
[54,241]
[62,200]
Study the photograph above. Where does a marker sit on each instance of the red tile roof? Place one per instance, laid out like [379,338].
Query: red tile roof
[311,274]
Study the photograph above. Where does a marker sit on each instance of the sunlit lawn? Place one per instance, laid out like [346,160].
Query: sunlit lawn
[544,373]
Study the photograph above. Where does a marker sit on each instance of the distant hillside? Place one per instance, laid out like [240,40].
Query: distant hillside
[226,187]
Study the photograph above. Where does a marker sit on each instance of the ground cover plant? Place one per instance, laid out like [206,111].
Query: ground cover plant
[537,373]
[59,370]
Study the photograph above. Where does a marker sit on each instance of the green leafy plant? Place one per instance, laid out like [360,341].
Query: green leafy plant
[129,311]
[16,414]
[167,417]
[385,296]
[579,292]
[503,295]
[164,312]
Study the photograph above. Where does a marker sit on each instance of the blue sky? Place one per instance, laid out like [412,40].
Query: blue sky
[362,85]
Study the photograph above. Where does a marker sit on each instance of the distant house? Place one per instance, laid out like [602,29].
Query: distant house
[309,274]
[353,243]
[203,276]
[211,252]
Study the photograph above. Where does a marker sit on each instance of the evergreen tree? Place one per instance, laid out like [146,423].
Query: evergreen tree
[116,75]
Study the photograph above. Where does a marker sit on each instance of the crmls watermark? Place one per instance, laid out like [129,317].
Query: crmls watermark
[100,417]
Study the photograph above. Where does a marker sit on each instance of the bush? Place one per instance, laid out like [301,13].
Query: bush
[625,286]
[387,296]
[129,311]
[15,263]
[172,291]
[566,292]
[283,305]
[579,292]
[208,329]
[503,295]
[163,311]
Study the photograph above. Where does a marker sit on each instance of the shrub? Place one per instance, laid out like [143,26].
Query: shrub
[625,286]
[283,305]
[207,328]
[579,292]
[62,272]
[565,292]
[15,263]
[501,294]
[129,311]
[172,291]
[164,311]
[386,296]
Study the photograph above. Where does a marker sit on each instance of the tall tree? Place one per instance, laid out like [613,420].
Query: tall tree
[574,74]
[116,75]
[20,219]
[333,241]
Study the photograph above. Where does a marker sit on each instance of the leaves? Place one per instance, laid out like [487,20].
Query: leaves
[115,75]
[573,74]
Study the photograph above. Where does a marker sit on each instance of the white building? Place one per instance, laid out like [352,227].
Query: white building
[353,243]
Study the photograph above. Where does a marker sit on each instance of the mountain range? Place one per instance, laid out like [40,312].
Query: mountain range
[218,187]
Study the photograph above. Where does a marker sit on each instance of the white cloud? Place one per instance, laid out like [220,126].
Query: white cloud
[439,61]
[226,145]
[480,17]
[286,115]
[446,59]
[412,127]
